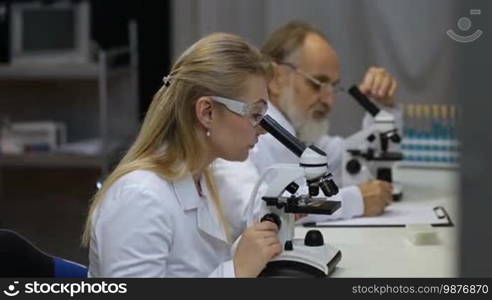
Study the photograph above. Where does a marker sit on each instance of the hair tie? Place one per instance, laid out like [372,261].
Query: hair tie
[167,80]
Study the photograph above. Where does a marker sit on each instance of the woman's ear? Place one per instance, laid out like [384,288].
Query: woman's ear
[204,111]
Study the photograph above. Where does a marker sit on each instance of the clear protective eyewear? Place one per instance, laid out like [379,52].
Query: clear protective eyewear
[253,111]
[317,85]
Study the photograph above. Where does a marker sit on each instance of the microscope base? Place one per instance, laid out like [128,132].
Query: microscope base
[304,261]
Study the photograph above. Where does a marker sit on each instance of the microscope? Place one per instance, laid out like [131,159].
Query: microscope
[372,152]
[310,256]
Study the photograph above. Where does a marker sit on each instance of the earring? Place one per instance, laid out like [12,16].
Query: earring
[208,133]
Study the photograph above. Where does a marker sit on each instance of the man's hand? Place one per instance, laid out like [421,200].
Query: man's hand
[377,194]
[379,85]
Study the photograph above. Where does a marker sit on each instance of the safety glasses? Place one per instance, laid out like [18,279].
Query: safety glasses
[253,111]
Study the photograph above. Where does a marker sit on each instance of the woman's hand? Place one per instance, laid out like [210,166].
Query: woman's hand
[258,244]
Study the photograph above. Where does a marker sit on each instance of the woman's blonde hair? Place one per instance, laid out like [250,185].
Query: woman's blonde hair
[169,142]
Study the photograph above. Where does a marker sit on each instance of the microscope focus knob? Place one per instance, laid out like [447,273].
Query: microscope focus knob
[292,187]
[314,238]
[288,246]
[272,218]
[353,166]
[396,138]
[371,138]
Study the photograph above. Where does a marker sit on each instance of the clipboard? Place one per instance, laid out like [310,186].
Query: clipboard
[396,215]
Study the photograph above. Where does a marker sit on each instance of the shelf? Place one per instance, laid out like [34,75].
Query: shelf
[67,72]
[52,160]
[62,71]
[85,153]
[428,165]
[113,116]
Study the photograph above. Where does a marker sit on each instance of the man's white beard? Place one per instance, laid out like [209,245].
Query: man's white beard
[308,129]
[312,130]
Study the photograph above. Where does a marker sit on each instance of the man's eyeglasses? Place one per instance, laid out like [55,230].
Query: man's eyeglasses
[253,111]
[316,84]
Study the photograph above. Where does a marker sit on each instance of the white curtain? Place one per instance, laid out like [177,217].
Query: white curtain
[406,37]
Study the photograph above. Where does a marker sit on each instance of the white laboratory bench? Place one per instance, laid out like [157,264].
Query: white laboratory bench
[387,251]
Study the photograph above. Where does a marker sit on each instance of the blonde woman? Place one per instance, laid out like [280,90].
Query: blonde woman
[159,214]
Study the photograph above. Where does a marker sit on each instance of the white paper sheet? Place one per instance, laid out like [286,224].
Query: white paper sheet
[399,214]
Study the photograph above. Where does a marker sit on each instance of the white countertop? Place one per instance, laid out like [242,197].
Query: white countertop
[387,251]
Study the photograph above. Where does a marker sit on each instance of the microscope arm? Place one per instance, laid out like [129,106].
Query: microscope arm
[384,122]
[292,173]
[359,139]
[377,146]
[312,166]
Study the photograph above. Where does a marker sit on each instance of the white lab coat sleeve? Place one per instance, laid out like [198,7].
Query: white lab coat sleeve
[224,270]
[135,235]
[352,202]
[235,182]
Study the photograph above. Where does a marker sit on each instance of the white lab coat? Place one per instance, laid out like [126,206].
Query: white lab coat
[151,227]
[236,180]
